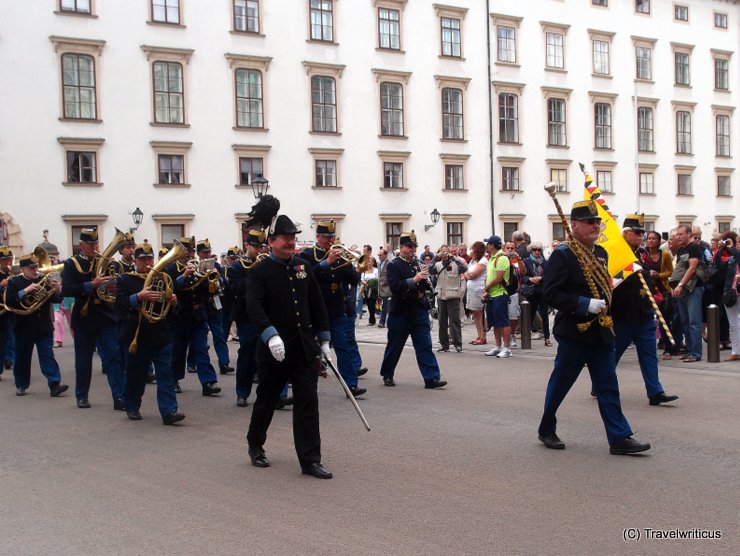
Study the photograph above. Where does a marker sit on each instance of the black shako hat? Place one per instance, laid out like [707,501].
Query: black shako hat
[408,238]
[256,238]
[283,225]
[635,221]
[584,210]
[89,235]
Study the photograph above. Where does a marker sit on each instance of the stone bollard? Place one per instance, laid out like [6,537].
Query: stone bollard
[713,334]
[525,324]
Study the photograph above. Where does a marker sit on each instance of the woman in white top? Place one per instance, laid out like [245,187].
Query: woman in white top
[476,277]
[369,281]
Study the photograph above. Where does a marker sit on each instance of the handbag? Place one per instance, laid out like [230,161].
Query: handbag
[729,298]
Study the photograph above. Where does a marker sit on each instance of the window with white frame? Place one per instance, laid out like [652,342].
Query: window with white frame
[510,228]
[168,93]
[322,20]
[171,163]
[682,75]
[81,167]
[454,233]
[325,173]
[645,129]
[391,109]
[720,20]
[721,74]
[642,6]
[251,162]
[169,233]
[680,12]
[249,168]
[166,11]
[604,181]
[723,186]
[647,183]
[393,233]
[508,118]
[451,45]
[558,231]
[722,123]
[247,16]
[454,176]
[78,77]
[559,176]
[555,50]
[393,175]
[452,113]
[506,44]
[389,28]
[249,109]
[556,130]
[601,57]
[683,132]
[684,184]
[510,178]
[324,103]
[602,125]
[75,6]
[724,226]
[643,62]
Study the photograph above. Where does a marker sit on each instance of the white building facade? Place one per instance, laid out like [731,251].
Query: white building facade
[371,112]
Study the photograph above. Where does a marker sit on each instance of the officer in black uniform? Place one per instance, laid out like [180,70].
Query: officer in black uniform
[94,322]
[190,323]
[286,308]
[408,315]
[227,299]
[336,277]
[577,283]
[6,260]
[146,342]
[238,274]
[33,329]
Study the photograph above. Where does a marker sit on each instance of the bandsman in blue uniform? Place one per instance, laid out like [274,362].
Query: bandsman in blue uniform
[285,305]
[408,315]
[146,343]
[127,253]
[336,276]
[232,256]
[34,325]
[6,261]
[94,322]
[238,274]
[577,283]
[190,322]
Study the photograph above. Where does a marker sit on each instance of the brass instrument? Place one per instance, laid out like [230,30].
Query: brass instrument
[205,269]
[34,300]
[593,272]
[159,281]
[362,263]
[345,253]
[105,265]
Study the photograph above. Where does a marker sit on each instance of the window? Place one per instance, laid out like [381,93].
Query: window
[681,13]
[171,232]
[604,181]
[247,16]
[389,28]
[601,57]
[684,184]
[324,103]
[721,74]
[602,126]
[391,109]
[326,173]
[248,98]
[723,186]
[682,68]
[559,176]
[558,232]
[393,233]
[322,20]
[454,176]
[249,168]
[510,228]
[724,226]
[643,60]
[556,122]
[75,6]
[506,41]
[642,6]
[597,3]
[723,134]
[508,118]
[647,183]
[683,132]
[168,93]
[645,129]
[78,77]
[393,175]
[450,37]
[509,178]
[720,20]
[81,167]
[454,233]
[555,57]
[166,11]
[452,113]
[171,169]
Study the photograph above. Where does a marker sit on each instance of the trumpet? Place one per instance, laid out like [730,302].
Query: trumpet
[346,253]
[205,269]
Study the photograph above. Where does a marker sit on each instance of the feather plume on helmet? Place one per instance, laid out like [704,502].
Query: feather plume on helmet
[263,212]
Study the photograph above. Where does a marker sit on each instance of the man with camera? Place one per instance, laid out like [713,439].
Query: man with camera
[688,291]
[448,269]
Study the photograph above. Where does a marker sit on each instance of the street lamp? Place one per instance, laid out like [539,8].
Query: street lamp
[137,216]
[259,186]
[435,218]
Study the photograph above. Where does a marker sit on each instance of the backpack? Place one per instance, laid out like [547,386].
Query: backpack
[512,286]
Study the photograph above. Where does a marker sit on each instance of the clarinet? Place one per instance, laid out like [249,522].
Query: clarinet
[416,265]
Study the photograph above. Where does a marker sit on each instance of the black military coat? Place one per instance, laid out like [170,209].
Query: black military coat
[566,289]
[284,297]
[335,281]
[406,297]
[192,303]
[630,303]
[237,275]
[151,335]
[77,271]
[39,322]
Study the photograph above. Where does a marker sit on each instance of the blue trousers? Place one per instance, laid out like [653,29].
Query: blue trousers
[689,307]
[342,330]
[23,351]
[105,335]
[137,368]
[569,362]
[186,331]
[400,327]
[215,324]
[643,336]
[246,364]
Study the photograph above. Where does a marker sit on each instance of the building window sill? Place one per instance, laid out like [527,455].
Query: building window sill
[455,190]
[161,124]
[324,187]
[82,184]
[510,191]
[722,90]
[75,14]
[558,146]
[381,136]
[682,85]
[556,70]
[602,75]
[337,133]
[510,143]
[455,58]
[81,120]
[246,33]
[508,64]
[326,43]
[394,189]
[393,50]
[166,24]
[648,81]
[172,185]
[446,140]
[255,129]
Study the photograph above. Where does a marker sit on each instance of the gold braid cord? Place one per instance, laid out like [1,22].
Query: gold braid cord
[597,278]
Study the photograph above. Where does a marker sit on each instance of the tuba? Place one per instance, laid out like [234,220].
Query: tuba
[158,280]
[33,301]
[105,265]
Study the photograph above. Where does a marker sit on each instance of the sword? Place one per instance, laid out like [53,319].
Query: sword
[326,363]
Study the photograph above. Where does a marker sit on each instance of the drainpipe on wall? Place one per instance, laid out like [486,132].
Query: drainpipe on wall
[490,113]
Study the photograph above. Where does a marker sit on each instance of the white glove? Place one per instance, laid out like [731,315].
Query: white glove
[326,351]
[595,306]
[277,347]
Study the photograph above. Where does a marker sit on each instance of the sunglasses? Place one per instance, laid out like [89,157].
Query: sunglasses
[639,233]
[536,249]
[592,221]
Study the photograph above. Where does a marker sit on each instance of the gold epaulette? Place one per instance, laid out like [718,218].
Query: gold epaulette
[79,268]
